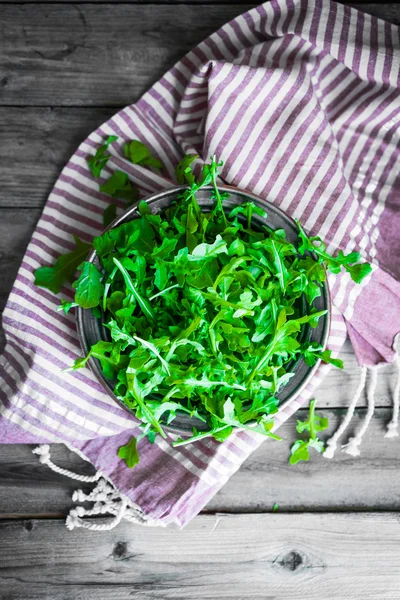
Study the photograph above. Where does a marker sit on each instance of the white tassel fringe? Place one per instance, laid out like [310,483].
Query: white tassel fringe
[331,444]
[393,426]
[106,498]
[352,446]
[43,452]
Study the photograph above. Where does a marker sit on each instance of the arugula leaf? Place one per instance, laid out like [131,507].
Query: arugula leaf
[64,269]
[143,303]
[120,186]
[129,453]
[309,278]
[167,247]
[183,170]
[66,306]
[100,159]
[314,352]
[248,209]
[350,262]
[104,244]
[106,354]
[205,251]
[89,287]
[326,356]
[134,235]
[139,154]
[300,449]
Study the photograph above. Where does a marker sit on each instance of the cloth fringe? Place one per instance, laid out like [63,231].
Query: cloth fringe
[352,446]
[393,425]
[331,444]
[106,499]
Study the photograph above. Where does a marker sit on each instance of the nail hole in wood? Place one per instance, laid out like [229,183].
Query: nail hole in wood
[120,550]
[28,525]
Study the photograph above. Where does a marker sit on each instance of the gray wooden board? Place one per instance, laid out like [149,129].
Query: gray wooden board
[36,143]
[102,54]
[368,482]
[350,556]
[99,55]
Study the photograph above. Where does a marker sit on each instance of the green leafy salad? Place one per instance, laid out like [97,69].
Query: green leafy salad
[205,310]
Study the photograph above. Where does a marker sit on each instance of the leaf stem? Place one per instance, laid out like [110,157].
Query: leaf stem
[107,287]
[216,190]
[144,304]
[171,287]
[313,433]
[199,436]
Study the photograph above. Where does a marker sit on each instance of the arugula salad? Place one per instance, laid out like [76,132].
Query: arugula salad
[204,310]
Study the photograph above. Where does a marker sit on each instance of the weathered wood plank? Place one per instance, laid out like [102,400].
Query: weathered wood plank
[96,55]
[103,54]
[388,11]
[29,488]
[368,482]
[389,8]
[279,556]
[36,143]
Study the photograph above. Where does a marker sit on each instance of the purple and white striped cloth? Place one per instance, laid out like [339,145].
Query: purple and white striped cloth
[301,100]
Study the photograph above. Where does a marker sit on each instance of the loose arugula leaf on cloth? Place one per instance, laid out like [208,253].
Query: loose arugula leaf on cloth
[64,269]
[89,286]
[100,159]
[119,186]
[129,453]
[311,426]
[183,170]
[139,154]
[205,310]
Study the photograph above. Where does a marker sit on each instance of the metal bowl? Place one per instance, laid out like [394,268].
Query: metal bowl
[91,330]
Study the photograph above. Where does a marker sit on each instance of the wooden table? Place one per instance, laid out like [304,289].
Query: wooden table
[65,68]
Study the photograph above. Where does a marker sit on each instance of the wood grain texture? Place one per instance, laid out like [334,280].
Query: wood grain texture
[103,54]
[269,557]
[369,482]
[36,144]
[96,55]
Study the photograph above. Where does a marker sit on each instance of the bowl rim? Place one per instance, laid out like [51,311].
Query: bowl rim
[94,367]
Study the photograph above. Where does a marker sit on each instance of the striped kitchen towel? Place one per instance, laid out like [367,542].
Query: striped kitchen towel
[300,99]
